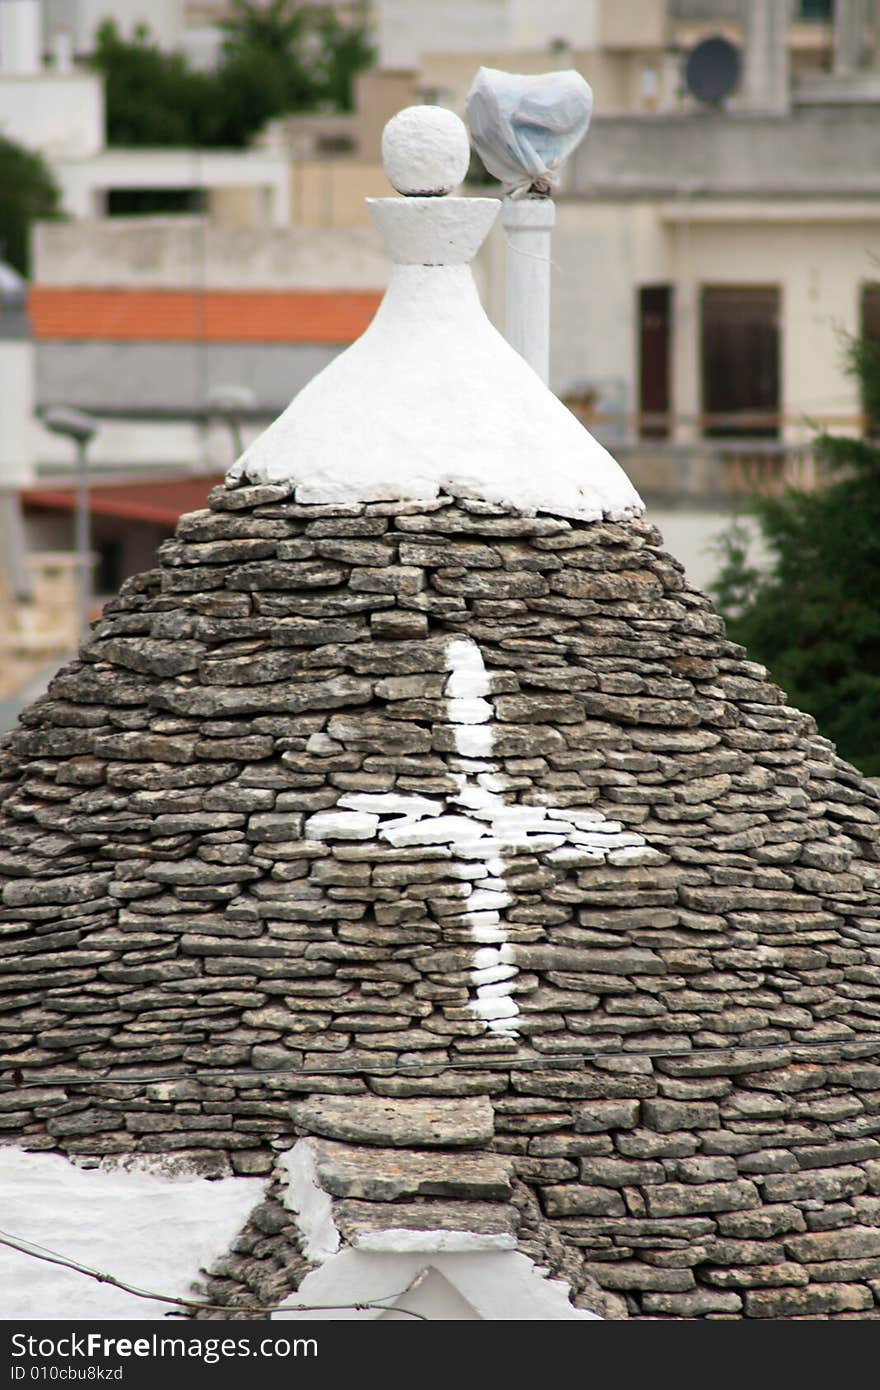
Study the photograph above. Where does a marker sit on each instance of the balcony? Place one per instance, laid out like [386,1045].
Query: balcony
[731,459]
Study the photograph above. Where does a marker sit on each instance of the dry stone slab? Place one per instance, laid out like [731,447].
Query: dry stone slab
[814,1300]
[367,1224]
[385,1175]
[382,1121]
[686,1199]
[696,1304]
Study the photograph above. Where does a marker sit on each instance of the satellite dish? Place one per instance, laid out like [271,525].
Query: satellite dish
[712,70]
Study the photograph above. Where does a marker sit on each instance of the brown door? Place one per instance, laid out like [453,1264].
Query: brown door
[739,351]
[655,332]
[870,329]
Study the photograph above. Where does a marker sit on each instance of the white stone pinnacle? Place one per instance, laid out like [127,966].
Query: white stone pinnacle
[425,151]
[432,398]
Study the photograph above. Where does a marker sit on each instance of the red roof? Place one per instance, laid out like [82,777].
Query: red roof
[159,500]
[220,316]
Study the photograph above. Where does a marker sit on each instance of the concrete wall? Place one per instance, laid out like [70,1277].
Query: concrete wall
[331,192]
[164,18]
[814,152]
[408,29]
[379,96]
[577,21]
[85,182]
[141,376]
[633,23]
[57,114]
[20,36]
[698,11]
[16,411]
[150,446]
[185,252]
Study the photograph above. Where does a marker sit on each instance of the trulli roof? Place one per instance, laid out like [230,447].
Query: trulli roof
[450,845]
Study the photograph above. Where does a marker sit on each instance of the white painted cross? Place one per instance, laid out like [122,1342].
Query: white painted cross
[481,830]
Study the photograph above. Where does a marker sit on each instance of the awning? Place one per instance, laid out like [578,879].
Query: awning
[158,500]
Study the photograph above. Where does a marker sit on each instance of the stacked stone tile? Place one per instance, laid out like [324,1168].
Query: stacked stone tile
[251,892]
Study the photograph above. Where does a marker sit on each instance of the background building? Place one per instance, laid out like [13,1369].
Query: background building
[709,258]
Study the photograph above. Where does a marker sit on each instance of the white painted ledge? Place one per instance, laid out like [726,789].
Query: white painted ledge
[148,1228]
[484,1285]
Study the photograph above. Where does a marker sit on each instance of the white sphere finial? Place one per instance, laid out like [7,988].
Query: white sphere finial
[425,150]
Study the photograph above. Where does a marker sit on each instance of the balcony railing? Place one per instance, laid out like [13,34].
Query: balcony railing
[770,471]
[729,458]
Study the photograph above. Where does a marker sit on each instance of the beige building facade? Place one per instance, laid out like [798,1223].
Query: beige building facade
[708,261]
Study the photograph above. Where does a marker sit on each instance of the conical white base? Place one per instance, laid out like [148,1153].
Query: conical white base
[432,397]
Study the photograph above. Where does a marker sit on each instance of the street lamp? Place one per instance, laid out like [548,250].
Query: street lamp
[81,428]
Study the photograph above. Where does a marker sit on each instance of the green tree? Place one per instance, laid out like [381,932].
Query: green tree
[276,57]
[280,35]
[345,50]
[152,97]
[813,616]
[27,192]
[248,92]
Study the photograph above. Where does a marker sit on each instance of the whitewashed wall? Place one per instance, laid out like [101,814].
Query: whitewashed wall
[152,1231]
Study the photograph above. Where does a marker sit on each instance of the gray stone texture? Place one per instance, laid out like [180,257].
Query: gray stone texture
[687,1122]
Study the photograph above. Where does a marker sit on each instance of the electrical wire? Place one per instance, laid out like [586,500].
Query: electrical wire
[52,1257]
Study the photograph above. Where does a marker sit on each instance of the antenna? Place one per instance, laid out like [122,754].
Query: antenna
[712,70]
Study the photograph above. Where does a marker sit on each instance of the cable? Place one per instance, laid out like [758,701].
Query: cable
[531,255]
[52,1257]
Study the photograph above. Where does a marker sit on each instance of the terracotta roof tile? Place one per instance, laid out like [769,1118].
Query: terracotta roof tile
[230,316]
[158,500]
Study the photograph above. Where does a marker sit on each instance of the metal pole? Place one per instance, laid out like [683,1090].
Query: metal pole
[235,431]
[528,225]
[83,538]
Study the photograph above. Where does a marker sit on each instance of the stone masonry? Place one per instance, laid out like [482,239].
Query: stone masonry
[251,892]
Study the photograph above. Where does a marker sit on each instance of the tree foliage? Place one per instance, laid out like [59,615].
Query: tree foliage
[280,35]
[27,192]
[344,51]
[813,617]
[276,57]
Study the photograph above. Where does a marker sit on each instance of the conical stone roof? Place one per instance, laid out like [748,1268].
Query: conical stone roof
[632,927]
[455,839]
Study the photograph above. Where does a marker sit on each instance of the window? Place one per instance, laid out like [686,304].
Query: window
[870,326]
[335,144]
[145,202]
[655,335]
[816,11]
[108,573]
[739,353]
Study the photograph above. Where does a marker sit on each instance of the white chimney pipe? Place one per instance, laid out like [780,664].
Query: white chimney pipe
[524,128]
[528,227]
[20,44]
[62,50]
